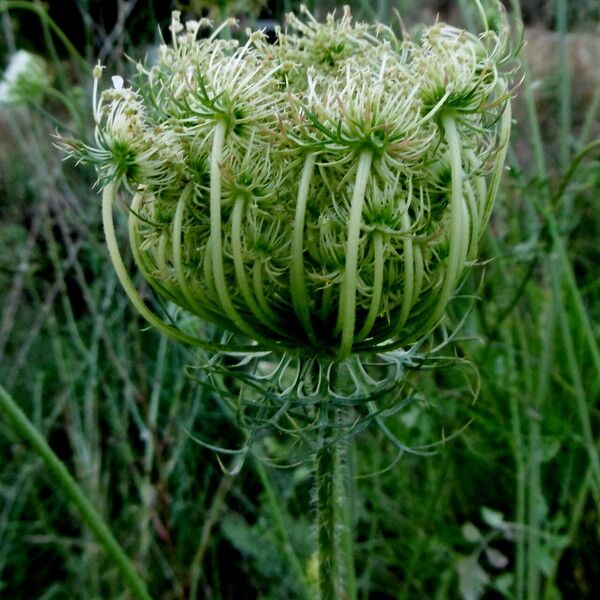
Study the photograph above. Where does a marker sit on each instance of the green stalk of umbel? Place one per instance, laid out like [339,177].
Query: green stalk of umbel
[320,198]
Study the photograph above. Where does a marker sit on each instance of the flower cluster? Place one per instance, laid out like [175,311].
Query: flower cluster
[323,194]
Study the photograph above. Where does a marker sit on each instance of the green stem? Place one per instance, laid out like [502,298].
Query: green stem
[576,298]
[142,260]
[483,202]
[378,267]
[408,294]
[297,281]
[520,452]
[177,250]
[25,429]
[216,234]
[51,50]
[419,273]
[347,311]
[459,222]
[346,501]
[535,497]
[108,196]
[258,286]
[267,319]
[326,520]
[160,256]
[474,217]
[216,242]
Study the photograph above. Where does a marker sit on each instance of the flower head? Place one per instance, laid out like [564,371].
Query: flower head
[324,194]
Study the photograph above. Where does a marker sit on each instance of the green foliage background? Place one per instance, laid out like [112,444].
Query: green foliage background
[508,508]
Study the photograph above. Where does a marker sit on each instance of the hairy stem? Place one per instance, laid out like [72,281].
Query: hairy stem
[347,511]
[326,521]
[334,514]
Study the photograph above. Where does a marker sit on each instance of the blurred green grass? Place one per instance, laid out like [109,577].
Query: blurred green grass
[509,508]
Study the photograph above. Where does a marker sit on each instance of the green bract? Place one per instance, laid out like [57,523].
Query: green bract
[324,194]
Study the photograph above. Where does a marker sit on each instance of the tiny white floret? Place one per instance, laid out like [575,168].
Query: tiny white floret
[117,82]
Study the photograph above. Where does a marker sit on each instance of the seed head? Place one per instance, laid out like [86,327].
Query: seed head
[324,194]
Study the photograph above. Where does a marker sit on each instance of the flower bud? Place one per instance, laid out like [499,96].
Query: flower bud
[325,194]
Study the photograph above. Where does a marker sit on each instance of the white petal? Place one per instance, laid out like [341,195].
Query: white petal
[117,82]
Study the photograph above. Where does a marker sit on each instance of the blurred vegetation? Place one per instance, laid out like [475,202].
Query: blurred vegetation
[509,508]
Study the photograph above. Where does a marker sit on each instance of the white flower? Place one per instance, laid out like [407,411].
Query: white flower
[117,82]
[24,80]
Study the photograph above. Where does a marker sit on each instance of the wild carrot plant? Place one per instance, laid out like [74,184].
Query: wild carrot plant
[319,199]
[318,202]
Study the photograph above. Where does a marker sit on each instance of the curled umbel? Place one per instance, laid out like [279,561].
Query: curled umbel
[321,194]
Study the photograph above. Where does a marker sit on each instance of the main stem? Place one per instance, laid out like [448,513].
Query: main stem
[334,535]
[25,429]
[326,474]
